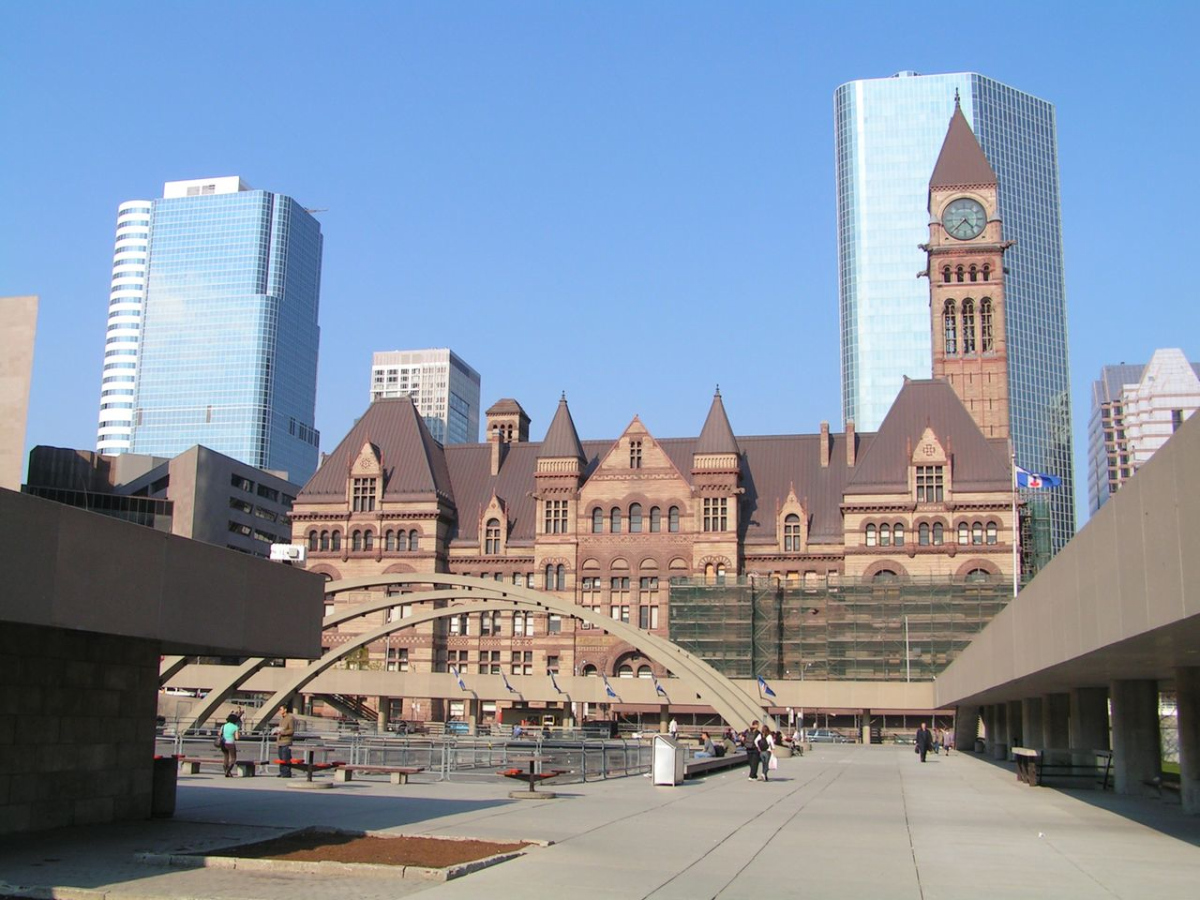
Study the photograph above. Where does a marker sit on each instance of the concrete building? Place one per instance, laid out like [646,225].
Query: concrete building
[19,315]
[1135,409]
[200,494]
[444,388]
[213,327]
[889,132]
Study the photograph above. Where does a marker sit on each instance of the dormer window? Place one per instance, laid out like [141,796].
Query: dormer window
[635,454]
[491,540]
[791,534]
[363,494]
[930,484]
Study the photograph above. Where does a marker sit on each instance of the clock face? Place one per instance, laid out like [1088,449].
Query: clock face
[964,219]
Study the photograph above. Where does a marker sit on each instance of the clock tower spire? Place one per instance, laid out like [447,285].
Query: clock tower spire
[966,278]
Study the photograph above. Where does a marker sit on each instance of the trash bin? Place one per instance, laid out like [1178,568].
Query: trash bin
[668,760]
[162,787]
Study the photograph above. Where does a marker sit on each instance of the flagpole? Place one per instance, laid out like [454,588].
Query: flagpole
[1016,525]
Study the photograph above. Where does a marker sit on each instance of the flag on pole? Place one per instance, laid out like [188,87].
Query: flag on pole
[508,687]
[1035,480]
[764,687]
[553,682]
[659,689]
[458,678]
[608,688]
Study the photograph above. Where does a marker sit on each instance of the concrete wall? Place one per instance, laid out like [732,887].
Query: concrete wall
[1121,601]
[18,326]
[76,727]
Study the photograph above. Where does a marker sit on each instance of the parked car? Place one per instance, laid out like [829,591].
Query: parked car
[827,736]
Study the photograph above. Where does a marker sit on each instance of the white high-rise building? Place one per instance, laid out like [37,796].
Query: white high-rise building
[1135,410]
[444,388]
[126,297]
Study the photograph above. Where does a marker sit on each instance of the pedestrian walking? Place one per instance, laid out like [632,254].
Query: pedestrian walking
[764,743]
[673,729]
[924,741]
[750,743]
[228,739]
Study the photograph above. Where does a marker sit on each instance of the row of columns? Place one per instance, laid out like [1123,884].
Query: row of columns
[1079,720]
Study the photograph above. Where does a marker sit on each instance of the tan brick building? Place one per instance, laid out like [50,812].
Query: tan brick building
[609,523]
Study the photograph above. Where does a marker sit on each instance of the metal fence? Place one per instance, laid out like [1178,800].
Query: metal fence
[443,758]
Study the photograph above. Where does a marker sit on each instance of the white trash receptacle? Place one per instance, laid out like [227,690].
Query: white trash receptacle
[668,763]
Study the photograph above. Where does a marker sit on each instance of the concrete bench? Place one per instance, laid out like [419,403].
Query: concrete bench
[399,774]
[1035,766]
[694,767]
[190,765]
[306,767]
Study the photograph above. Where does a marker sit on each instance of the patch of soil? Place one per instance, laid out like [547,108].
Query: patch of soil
[315,846]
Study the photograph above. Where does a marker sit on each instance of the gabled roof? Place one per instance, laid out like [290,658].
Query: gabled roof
[962,161]
[413,462]
[561,438]
[716,436]
[979,463]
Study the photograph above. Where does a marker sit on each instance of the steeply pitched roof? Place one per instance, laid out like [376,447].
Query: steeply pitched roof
[979,463]
[716,436]
[962,161]
[561,438]
[413,462]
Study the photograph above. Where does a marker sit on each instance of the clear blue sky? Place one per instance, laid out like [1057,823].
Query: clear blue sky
[631,202]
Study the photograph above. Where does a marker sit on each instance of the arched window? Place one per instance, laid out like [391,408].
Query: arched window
[946,274]
[885,535]
[885,575]
[870,535]
[644,672]
[655,519]
[312,540]
[987,339]
[974,274]
[614,520]
[491,537]
[550,585]
[964,533]
[791,533]
[335,541]
[950,328]
[720,573]
[710,572]
[977,533]
[959,273]
[987,272]
[673,519]
[626,671]
[324,540]
[976,575]
[992,532]
[560,575]
[356,540]
[635,518]
[968,326]
[939,534]
[597,520]
[898,534]
[368,540]
[589,670]
[414,540]
[923,534]
[389,540]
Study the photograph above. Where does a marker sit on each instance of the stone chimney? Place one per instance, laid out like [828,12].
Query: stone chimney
[850,443]
[824,445]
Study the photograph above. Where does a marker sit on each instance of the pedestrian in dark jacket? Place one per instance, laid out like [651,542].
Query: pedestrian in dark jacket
[752,755]
[924,741]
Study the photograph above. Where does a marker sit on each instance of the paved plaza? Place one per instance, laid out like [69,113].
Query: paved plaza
[843,821]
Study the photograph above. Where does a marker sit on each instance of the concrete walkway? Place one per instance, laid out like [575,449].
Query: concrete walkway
[843,821]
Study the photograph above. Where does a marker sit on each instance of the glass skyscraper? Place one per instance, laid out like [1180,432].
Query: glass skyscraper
[227,355]
[888,135]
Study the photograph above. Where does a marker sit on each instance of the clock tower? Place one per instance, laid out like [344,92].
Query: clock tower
[966,278]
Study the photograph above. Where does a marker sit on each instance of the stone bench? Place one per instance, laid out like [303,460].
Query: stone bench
[398,774]
[694,767]
[190,765]
[1036,765]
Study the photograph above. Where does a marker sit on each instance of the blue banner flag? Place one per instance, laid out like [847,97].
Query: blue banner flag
[608,689]
[1035,480]
[553,682]
[659,689]
[458,678]
[511,689]
[764,687]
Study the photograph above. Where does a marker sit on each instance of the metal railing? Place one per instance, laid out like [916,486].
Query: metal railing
[443,758]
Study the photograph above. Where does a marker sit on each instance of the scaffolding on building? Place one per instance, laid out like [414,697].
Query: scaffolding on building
[839,629]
